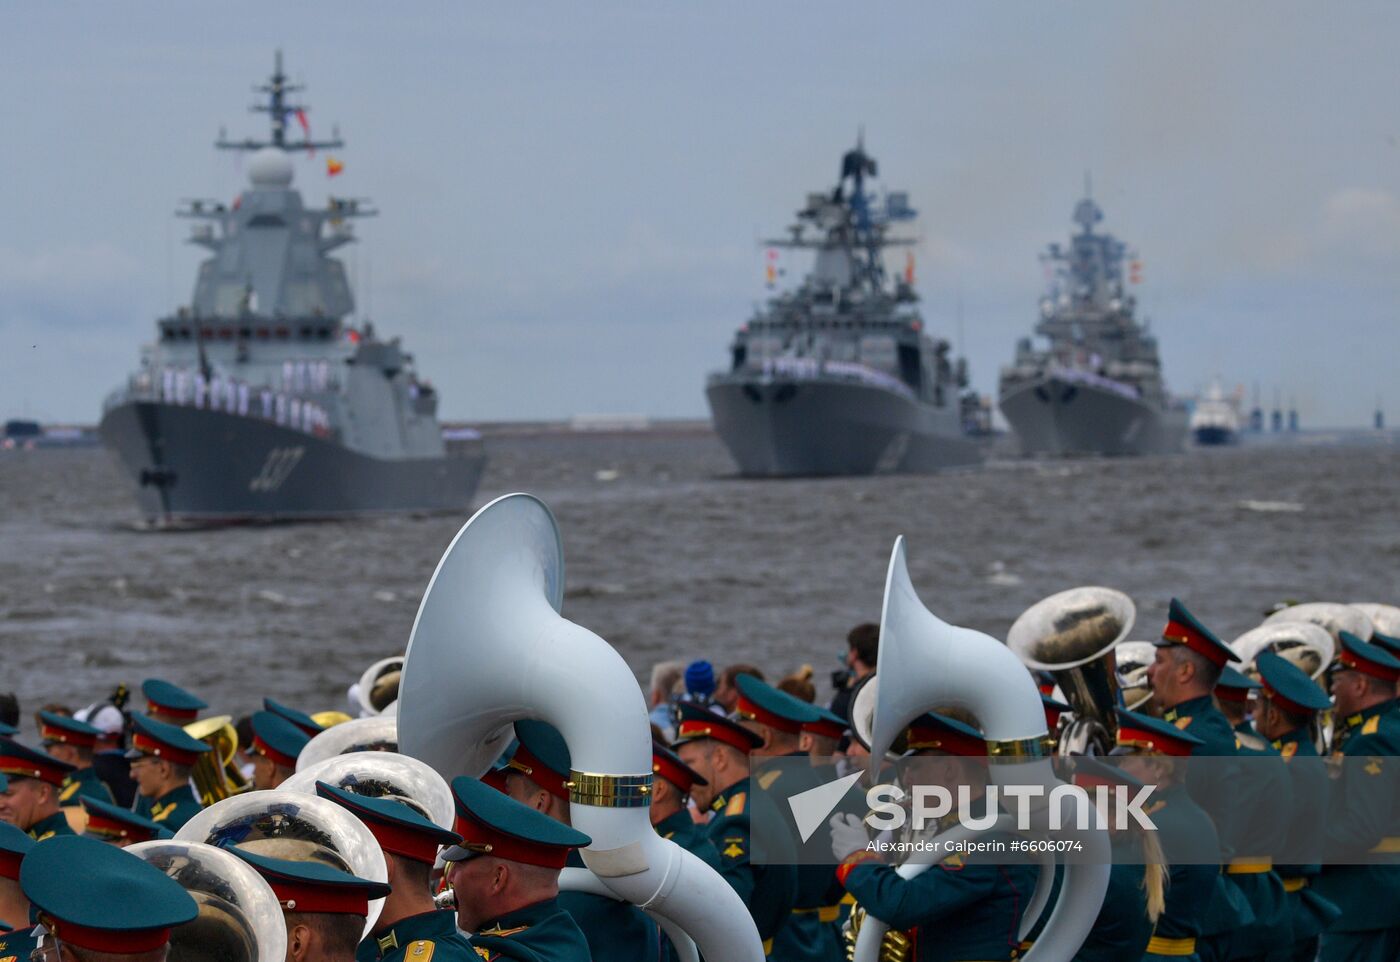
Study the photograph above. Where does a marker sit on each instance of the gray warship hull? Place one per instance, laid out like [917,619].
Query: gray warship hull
[813,427]
[212,467]
[1051,416]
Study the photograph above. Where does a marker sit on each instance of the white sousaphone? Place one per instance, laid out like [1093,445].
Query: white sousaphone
[293,826]
[240,919]
[1131,660]
[1331,615]
[402,778]
[1385,619]
[489,647]
[1306,644]
[926,662]
[378,687]
[378,733]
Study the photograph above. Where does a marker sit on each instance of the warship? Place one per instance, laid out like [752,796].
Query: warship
[1216,418]
[838,376]
[260,400]
[1097,388]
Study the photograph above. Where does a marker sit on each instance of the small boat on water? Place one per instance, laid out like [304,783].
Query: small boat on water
[1216,419]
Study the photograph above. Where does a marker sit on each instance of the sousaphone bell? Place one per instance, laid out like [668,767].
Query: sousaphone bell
[377,734]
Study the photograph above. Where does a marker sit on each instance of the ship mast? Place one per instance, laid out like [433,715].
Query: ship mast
[278,110]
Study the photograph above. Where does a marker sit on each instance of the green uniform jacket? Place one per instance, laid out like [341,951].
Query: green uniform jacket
[55,824]
[1363,813]
[542,932]
[173,809]
[769,890]
[1310,912]
[429,937]
[83,783]
[17,945]
[1122,929]
[960,909]
[613,928]
[1192,851]
[1265,791]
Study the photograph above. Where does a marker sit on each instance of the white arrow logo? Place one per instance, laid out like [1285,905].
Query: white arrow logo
[811,808]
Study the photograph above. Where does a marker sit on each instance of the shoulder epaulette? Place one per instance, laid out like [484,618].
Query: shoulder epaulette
[420,951]
[766,780]
[1183,723]
[1373,725]
[499,932]
[1289,750]
[736,805]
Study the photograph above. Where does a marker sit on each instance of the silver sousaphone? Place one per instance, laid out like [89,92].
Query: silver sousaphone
[1307,644]
[378,687]
[1072,634]
[1331,615]
[383,775]
[1385,619]
[240,919]
[379,733]
[1131,659]
[294,826]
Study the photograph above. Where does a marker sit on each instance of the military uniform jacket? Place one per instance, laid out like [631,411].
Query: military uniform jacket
[613,928]
[1189,844]
[83,783]
[960,909]
[429,937]
[542,932]
[1265,791]
[689,835]
[1364,822]
[1307,773]
[55,824]
[16,945]
[769,890]
[173,809]
[1122,929]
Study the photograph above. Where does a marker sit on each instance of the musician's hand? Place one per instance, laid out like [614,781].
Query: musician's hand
[848,835]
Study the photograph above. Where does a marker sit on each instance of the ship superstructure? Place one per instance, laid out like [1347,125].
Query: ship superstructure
[839,376]
[259,400]
[1096,386]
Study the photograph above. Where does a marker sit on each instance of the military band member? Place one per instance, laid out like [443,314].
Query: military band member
[108,822]
[276,745]
[410,927]
[777,717]
[162,757]
[963,907]
[170,703]
[718,749]
[73,742]
[821,738]
[30,797]
[1285,713]
[323,908]
[94,901]
[506,876]
[1152,749]
[15,939]
[1232,694]
[670,815]
[301,719]
[1363,820]
[536,776]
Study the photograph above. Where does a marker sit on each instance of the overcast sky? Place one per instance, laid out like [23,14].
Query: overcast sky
[572,194]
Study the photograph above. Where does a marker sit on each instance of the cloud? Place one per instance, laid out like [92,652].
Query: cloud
[70,286]
[1362,222]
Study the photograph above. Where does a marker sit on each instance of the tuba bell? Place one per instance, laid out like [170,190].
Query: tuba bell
[294,826]
[489,647]
[377,734]
[240,918]
[1131,659]
[1330,615]
[1072,634]
[1385,619]
[1307,644]
[928,662]
[382,775]
[378,687]
[215,774]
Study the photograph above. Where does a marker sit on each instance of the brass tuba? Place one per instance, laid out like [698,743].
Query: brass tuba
[216,775]
[1072,634]
[240,918]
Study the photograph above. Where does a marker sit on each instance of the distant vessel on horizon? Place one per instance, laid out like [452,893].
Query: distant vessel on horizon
[839,376]
[1097,387]
[258,401]
[1216,418]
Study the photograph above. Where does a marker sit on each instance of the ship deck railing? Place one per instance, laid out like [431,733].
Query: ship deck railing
[296,411]
[811,368]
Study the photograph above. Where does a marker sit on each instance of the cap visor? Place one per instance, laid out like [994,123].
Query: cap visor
[456,853]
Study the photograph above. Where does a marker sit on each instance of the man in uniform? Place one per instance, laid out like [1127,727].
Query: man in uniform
[30,799]
[73,741]
[162,757]
[410,927]
[170,703]
[15,940]
[96,901]
[1153,750]
[1232,694]
[119,826]
[1284,713]
[323,908]
[276,745]
[536,776]
[670,815]
[777,717]
[962,908]
[298,718]
[1363,821]
[506,876]
[718,750]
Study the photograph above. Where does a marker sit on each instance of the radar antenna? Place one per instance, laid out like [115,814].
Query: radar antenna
[278,110]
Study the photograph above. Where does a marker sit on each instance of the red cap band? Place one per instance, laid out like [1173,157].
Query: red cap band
[98,824]
[53,733]
[116,941]
[763,716]
[541,774]
[1239,696]
[483,838]
[825,729]
[28,768]
[9,865]
[1197,642]
[1351,660]
[1292,707]
[668,770]
[720,733]
[945,740]
[149,746]
[402,840]
[1155,741]
[184,714]
[323,899]
[272,754]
